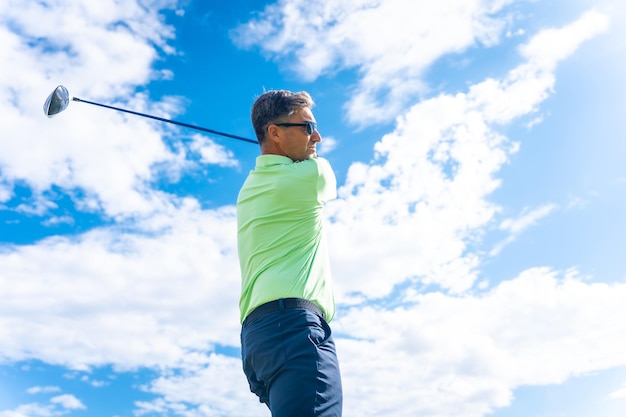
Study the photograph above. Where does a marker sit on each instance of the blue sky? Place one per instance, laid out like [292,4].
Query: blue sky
[477,241]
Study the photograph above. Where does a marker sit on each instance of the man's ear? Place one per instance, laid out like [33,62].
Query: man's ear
[273,133]
[272,142]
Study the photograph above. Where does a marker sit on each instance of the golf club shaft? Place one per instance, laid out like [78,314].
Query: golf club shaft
[161,119]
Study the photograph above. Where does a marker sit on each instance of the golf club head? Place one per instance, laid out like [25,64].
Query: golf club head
[56,102]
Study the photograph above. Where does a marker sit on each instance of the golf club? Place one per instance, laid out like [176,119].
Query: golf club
[59,99]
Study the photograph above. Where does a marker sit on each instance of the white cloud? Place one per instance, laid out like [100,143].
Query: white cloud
[67,40]
[57,406]
[68,402]
[212,153]
[104,160]
[391,43]
[140,297]
[464,355]
[551,46]
[216,388]
[429,183]
[327,146]
[29,410]
[93,383]
[44,390]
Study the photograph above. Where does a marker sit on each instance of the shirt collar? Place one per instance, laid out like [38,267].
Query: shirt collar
[271,159]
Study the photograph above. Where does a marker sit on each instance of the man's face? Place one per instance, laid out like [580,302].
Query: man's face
[294,141]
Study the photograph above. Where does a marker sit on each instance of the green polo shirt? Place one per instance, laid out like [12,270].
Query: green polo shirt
[282,247]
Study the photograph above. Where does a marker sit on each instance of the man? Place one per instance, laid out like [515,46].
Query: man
[287,300]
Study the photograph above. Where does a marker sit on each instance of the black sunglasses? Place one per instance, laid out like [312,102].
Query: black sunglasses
[309,127]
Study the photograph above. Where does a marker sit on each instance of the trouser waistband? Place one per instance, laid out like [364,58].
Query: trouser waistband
[283,304]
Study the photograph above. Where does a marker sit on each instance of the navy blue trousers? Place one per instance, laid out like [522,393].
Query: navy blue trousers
[291,364]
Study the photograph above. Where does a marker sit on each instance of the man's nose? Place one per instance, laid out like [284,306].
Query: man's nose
[315,136]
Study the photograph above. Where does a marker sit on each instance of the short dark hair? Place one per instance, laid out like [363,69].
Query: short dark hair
[275,105]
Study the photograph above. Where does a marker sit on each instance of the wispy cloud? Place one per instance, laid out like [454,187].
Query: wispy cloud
[516,226]
[618,394]
[43,390]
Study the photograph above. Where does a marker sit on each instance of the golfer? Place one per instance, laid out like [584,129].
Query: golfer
[287,299]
